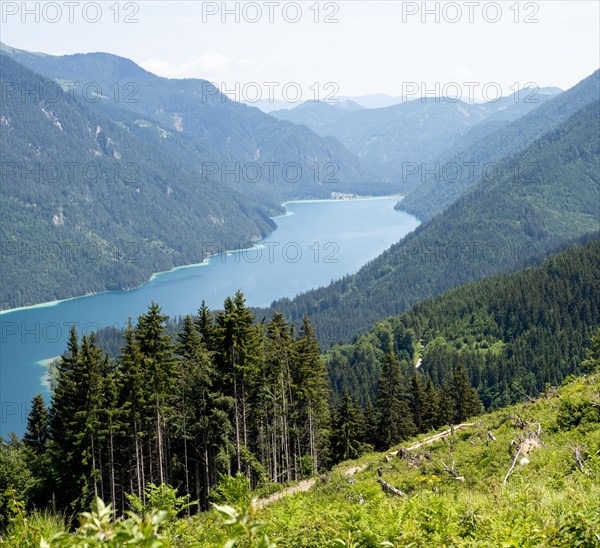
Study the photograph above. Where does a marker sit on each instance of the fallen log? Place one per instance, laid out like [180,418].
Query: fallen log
[513,465]
[390,489]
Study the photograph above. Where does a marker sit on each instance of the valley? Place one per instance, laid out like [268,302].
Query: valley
[370,320]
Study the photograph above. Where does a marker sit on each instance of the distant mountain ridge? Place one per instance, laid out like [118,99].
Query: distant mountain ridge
[491,142]
[411,132]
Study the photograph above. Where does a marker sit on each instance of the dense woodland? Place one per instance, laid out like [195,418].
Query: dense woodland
[513,334]
[225,394]
[68,229]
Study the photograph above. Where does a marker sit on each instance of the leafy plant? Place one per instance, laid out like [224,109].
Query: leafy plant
[246,531]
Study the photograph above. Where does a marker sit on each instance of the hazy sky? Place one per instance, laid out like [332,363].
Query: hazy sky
[374,47]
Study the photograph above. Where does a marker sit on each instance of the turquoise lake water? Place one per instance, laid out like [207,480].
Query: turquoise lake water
[315,242]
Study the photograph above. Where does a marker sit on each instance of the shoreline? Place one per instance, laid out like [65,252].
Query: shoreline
[206,261]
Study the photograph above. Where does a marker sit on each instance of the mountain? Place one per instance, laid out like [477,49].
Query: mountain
[206,131]
[86,206]
[317,115]
[546,194]
[513,333]
[477,153]
[401,137]
[374,100]
[522,476]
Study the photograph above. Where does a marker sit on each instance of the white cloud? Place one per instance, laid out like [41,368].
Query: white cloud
[207,66]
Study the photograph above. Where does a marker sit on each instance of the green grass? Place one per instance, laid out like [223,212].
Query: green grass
[547,502]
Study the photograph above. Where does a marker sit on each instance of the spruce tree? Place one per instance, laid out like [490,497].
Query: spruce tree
[395,421]
[38,427]
[466,399]
[348,431]
[429,408]
[156,348]
[311,385]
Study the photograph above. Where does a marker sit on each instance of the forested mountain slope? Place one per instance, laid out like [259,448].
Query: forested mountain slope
[514,334]
[401,136]
[206,131]
[456,491]
[546,194]
[86,206]
[473,156]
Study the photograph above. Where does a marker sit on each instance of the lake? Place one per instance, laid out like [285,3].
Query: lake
[315,242]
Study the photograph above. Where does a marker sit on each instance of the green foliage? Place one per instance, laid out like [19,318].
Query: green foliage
[592,362]
[576,411]
[530,344]
[98,528]
[23,530]
[548,502]
[160,498]
[243,528]
[232,490]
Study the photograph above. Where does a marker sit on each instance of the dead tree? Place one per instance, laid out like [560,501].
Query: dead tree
[452,471]
[579,460]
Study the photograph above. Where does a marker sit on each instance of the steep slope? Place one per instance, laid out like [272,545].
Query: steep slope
[548,193]
[514,334]
[477,154]
[455,491]
[205,130]
[86,206]
[414,131]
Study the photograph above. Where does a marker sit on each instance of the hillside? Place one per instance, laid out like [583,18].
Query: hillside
[206,131]
[502,330]
[86,206]
[546,194]
[413,131]
[549,499]
[523,476]
[491,142]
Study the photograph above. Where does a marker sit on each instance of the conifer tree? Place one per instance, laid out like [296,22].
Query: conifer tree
[312,388]
[348,431]
[37,433]
[429,408]
[466,399]
[395,421]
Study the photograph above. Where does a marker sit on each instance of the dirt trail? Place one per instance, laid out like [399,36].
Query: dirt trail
[436,437]
[349,472]
[299,488]
[303,486]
